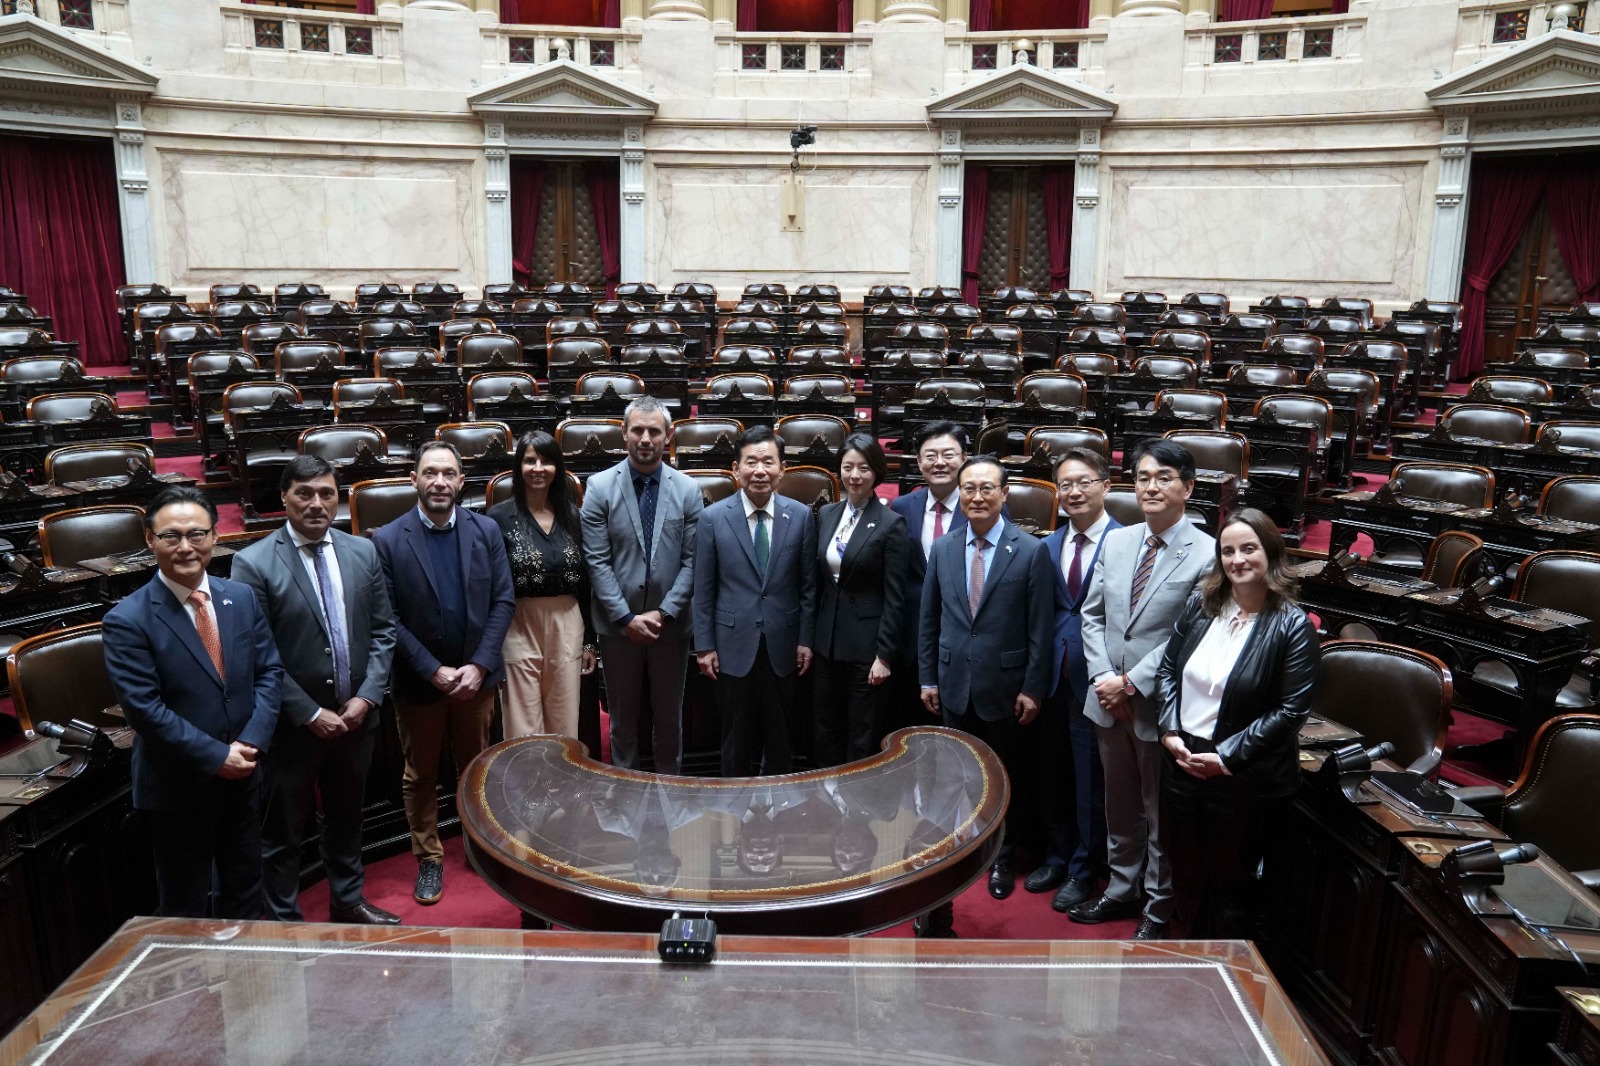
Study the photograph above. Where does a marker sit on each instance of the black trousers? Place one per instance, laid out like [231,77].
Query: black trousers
[1067,785]
[1007,738]
[845,711]
[755,710]
[223,833]
[1215,832]
[900,706]
[299,768]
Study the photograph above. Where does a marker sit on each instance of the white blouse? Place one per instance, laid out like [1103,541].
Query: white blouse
[1206,674]
[841,539]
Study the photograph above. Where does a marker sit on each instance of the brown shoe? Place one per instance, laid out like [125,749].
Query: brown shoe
[362,913]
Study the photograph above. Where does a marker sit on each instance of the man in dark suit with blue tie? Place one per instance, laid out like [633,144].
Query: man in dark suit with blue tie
[986,642]
[1067,779]
[453,601]
[755,602]
[193,663]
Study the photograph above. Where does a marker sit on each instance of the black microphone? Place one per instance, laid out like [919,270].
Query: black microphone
[1517,854]
[69,736]
[1382,751]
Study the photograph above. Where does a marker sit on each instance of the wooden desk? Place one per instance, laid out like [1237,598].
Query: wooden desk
[1577,1040]
[298,993]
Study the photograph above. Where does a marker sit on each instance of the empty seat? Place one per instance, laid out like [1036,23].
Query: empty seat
[1486,421]
[1032,504]
[61,675]
[82,462]
[68,537]
[1573,498]
[379,501]
[1414,710]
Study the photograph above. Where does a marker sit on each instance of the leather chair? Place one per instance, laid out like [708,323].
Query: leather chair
[1185,318]
[1213,405]
[1215,449]
[1058,439]
[1487,421]
[1544,805]
[386,361]
[755,356]
[341,444]
[78,533]
[1054,388]
[832,357]
[488,349]
[1266,325]
[714,485]
[596,384]
[826,385]
[703,432]
[497,385]
[378,502]
[668,357]
[1414,711]
[1452,558]
[1101,314]
[1101,337]
[221,362]
[247,394]
[1554,359]
[233,291]
[499,489]
[35,368]
[1470,486]
[366,390]
[68,406]
[1214,304]
[1574,498]
[263,338]
[755,332]
[1295,349]
[1032,504]
[1268,375]
[190,334]
[1573,434]
[1563,581]
[61,675]
[379,333]
[816,437]
[958,390]
[822,333]
[305,355]
[655,331]
[1510,388]
[82,462]
[1335,329]
[1181,370]
[477,309]
[694,290]
[453,330]
[475,439]
[576,435]
[994,336]
[1356,307]
[1192,343]
[1122,503]
[1299,407]
[1094,364]
[751,386]
[1367,384]
[810,485]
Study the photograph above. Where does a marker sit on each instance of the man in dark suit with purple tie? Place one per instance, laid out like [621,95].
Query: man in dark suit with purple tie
[1068,783]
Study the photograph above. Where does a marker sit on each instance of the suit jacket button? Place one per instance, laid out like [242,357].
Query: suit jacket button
[327,651]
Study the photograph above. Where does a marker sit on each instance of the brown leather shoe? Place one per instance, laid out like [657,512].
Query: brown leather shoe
[362,913]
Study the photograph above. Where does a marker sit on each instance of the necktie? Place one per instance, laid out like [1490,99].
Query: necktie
[207,629]
[330,611]
[938,519]
[763,543]
[975,579]
[646,488]
[1141,576]
[1075,573]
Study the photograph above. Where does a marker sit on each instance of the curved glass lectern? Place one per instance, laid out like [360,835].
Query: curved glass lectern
[833,852]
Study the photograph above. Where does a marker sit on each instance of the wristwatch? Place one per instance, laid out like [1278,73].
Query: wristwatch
[1127,686]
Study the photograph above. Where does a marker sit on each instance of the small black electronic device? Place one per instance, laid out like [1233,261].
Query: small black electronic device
[687,941]
[801,136]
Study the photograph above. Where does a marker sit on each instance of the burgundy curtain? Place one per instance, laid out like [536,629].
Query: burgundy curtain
[1341,7]
[847,16]
[1504,193]
[1245,10]
[527,190]
[747,16]
[605,199]
[1574,199]
[366,7]
[61,238]
[1058,187]
[1080,16]
[613,14]
[980,18]
[975,212]
[509,12]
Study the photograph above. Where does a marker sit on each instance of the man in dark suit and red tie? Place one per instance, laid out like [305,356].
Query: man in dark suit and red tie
[1068,784]
[193,663]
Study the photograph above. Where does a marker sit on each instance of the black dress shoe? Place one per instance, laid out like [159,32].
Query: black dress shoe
[1046,877]
[926,928]
[362,913]
[1001,879]
[1074,892]
[1150,929]
[1104,909]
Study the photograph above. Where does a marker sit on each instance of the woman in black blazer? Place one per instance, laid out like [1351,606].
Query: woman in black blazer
[862,555]
[1235,687]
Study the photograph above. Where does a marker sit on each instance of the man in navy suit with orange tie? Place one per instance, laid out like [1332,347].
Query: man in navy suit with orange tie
[195,668]
[1068,781]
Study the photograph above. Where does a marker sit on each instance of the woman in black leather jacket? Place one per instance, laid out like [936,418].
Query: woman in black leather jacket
[1235,687]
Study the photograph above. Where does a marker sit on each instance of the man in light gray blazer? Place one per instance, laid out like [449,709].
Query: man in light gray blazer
[1141,581]
[327,603]
[639,520]
[755,606]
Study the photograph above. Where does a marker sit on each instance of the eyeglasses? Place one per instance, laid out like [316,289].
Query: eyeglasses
[949,455]
[196,537]
[1164,481]
[976,489]
[1083,484]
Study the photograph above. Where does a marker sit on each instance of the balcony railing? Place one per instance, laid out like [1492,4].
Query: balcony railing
[791,53]
[310,34]
[514,47]
[1275,44]
[1486,28]
[1077,54]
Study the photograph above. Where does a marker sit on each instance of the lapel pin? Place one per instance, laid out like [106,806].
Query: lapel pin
[227,603]
[872,525]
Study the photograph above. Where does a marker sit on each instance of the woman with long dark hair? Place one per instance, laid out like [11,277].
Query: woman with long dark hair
[550,644]
[1235,688]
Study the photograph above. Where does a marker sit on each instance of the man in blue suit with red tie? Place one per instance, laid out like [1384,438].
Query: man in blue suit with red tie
[1068,780]
[194,665]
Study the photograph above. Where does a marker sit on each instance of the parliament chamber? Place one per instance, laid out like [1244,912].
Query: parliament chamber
[1345,253]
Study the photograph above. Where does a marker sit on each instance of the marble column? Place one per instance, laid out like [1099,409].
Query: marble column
[133,194]
[1085,210]
[1150,7]
[911,11]
[678,10]
[631,236]
[497,190]
[1199,11]
[952,177]
[1101,10]
[1446,257]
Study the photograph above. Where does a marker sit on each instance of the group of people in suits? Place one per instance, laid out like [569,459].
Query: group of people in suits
[1141,685]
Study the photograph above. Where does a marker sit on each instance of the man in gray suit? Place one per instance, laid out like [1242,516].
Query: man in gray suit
[325,598]
[1143,577]
[755,605]
[986,642]
[639,521]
